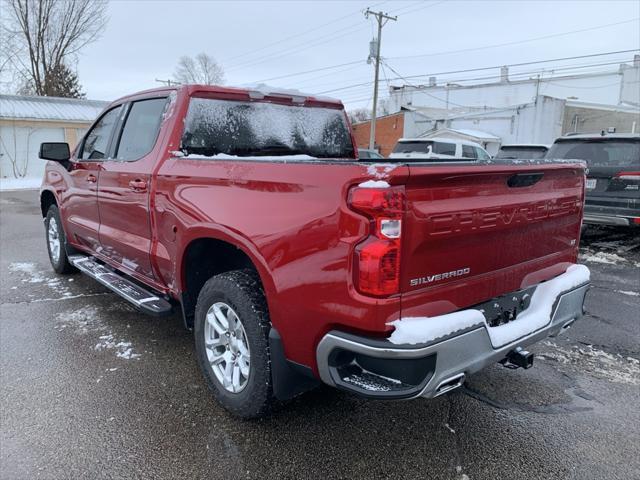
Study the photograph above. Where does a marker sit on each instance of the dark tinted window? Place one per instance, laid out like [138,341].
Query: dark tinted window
[97,140]
[412,147]
[521,152]
[141,129]
[599,153]
[442,148]
[259,129]
[468,151]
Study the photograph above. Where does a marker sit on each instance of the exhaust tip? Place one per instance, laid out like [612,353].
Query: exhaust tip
[450,384]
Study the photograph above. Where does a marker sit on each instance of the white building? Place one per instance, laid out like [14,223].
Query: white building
[534,110]
[25,122]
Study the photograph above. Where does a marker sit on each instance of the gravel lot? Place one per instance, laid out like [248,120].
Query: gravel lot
[92,389]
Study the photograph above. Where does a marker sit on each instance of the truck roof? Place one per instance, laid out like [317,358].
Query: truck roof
[599,136]
[254,91]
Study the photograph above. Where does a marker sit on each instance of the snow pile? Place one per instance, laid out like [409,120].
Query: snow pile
[612,367]
[25,183]
[629,292]
[413,330]
[601,257]
[380,171]
[417,330]
[374,184]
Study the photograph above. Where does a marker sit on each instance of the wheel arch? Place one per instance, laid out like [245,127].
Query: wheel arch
[47,198]
[207,253]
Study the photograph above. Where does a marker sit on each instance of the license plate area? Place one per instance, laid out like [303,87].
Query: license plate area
[506,308]
[591,183]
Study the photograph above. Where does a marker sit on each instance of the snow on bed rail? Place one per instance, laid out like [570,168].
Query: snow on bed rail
[380,171]
[262,158]
[417,330]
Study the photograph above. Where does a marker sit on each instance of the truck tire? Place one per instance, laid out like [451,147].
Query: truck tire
[57,242]
[232,342]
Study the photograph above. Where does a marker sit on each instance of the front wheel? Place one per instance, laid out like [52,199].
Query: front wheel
[232,342]
[56,242]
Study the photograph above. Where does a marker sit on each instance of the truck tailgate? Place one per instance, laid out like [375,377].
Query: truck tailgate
[474,232]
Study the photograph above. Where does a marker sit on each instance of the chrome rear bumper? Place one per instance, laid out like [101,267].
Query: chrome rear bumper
[380,369]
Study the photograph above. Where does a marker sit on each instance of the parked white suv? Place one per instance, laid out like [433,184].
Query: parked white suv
[438,148]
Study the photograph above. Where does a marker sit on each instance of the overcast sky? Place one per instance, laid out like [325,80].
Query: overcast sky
[258,40]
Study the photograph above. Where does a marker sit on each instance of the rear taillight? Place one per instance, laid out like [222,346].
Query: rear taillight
[632,176]
[626,181]
[377,258]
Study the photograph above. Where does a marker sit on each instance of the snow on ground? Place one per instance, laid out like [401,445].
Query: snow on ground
[28,183]
[87,321]
[28,270]
[629,292]
[32,274]
[601,257]
[613,367]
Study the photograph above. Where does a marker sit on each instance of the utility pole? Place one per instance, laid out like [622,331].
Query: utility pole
[168,83]
[382,19]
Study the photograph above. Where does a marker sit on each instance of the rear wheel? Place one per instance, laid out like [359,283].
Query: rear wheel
[56,242]
[232,342]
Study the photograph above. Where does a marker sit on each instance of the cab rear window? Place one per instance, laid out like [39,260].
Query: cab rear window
[252,129]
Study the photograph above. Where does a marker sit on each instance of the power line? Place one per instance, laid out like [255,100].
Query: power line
[458,51]
[535,39]
[467,70]
[298,35]
[352,96]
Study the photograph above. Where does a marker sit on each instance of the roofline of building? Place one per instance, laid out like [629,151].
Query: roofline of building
[452,86]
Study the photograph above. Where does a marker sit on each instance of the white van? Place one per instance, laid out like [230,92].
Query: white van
[438,148]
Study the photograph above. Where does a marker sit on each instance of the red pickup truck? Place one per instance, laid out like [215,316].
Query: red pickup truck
[295,263]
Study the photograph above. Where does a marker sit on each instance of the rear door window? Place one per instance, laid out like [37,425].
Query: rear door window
[412,147]
[482,155]
[141,129]
[468,151]
[442,148]
[97,140]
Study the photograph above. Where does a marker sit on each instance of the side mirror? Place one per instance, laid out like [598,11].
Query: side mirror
[56,151]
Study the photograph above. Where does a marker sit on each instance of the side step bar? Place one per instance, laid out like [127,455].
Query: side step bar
[144,300]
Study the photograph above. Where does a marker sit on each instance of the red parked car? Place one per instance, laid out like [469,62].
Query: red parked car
[295,263]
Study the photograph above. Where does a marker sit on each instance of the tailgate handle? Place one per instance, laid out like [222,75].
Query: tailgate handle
[524,179]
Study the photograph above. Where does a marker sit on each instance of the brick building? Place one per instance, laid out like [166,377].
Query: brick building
[389,129]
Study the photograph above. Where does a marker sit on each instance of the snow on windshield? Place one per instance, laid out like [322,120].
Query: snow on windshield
[259,128]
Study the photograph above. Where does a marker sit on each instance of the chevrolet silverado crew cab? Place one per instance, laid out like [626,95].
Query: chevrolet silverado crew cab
[295,263]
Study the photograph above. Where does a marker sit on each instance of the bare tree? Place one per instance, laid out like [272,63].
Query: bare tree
[202,69]
[46,35]
[359,115]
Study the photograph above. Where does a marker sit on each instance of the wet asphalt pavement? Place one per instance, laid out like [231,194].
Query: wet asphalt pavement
[92,389]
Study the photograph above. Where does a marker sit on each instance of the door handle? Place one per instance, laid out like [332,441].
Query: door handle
[138,185]
[91,178]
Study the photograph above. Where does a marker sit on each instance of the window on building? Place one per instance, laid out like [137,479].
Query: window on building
[141,129]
